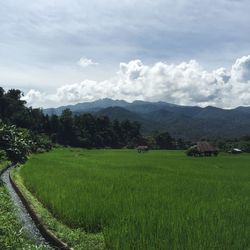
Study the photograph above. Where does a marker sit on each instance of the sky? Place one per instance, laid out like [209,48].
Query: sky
[187,52]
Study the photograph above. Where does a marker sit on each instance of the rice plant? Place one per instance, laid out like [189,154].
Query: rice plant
[156,200]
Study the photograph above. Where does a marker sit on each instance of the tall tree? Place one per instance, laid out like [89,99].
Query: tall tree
[165,141]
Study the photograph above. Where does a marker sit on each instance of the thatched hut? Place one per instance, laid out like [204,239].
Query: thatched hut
[142,149]
[203,149]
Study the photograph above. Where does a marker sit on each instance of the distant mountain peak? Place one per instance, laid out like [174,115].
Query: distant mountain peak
[190,122]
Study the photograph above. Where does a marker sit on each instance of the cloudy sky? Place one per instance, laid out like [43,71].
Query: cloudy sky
[188,52]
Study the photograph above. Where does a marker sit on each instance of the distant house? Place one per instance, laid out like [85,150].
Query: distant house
[203,149]
[142,149]
[236,151]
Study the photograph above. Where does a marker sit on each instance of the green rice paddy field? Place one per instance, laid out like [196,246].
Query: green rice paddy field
[155,200]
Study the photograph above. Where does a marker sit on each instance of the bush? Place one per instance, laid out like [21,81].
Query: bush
[192,151]
[42,143]
[3,155]
[245,146]
[15,142]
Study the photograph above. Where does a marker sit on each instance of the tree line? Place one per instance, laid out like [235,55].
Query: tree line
[228,144]
[78,130]
[85,130]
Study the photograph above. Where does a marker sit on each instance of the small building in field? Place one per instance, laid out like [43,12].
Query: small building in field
[203,149]
[142,149]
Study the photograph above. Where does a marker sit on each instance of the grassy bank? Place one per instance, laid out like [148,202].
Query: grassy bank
[3,164]
[76,238]
[158,200]
[11,233]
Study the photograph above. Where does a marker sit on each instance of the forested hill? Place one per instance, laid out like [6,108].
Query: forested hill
[78,130]
[125,125]
[188,122]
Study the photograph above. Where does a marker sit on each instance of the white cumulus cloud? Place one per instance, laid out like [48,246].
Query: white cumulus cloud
[34,96]
[241,70]
[85,62]
[186,83]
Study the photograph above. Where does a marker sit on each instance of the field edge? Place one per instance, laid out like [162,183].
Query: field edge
[75,238]
[12,235]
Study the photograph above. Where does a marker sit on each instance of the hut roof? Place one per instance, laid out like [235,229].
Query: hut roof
[206,147]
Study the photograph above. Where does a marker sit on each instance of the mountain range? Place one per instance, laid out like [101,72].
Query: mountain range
[187,122]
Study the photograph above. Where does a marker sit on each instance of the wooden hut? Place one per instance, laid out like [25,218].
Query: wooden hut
[202,149]
[142,149]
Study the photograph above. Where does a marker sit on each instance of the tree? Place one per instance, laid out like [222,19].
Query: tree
[15,142]
[82,130]
[66,130]
[245,146]
[164,141]
[1,92]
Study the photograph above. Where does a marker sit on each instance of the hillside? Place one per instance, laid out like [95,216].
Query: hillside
[189,122]
[88,106]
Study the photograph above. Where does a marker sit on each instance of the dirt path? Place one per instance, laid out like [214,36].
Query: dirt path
[28,225]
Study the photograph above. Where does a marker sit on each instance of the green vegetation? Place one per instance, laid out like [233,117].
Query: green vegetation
[16,144]
[3,163]
[78,130]
[186,122]
[242,143]
[11,233]
[131,201]
[156,200]
[76,238]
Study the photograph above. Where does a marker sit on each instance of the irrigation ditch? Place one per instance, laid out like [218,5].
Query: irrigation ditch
[36,230]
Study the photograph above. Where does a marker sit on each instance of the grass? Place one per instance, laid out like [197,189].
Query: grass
[157,200]
[76,238]
[3,164]
[12,236]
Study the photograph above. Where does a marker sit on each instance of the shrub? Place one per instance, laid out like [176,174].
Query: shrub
[15,142]
[42,143]
[245,146]
[192,151]
[3,155]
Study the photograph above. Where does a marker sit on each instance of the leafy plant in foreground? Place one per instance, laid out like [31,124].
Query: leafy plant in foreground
[15,142]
